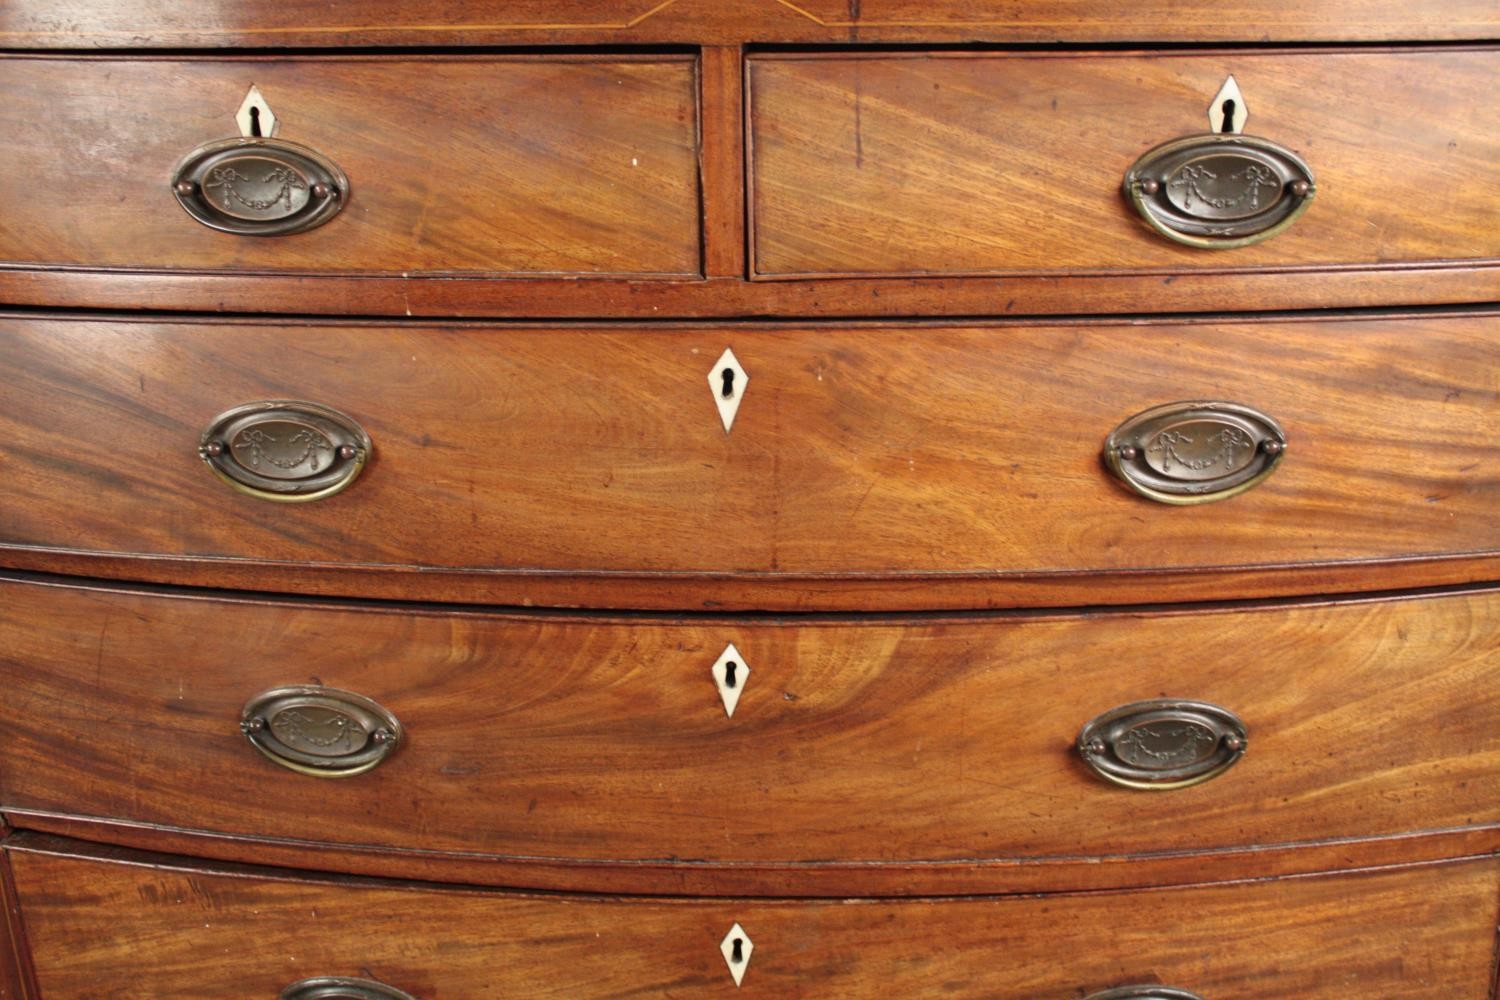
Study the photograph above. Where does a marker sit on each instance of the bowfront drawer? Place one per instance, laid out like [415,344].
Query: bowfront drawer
[574,165]
[953,750]
[969,163]
[109,924]
[761,467]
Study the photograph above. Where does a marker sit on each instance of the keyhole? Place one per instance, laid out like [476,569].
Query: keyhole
[255,121]
[729,671]
[728,376]
[1228,109]
[737,950]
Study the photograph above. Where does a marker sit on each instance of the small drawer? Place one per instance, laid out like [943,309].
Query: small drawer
[109,924]
[946,748]
[910,163]
[900,467]
[571,165]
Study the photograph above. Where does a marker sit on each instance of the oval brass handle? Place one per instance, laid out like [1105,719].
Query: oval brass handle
[1220,191]
[285,450]
[1163,744]
[1144,993]
[1195,452]
[259,187]
[320,731]
[340,988]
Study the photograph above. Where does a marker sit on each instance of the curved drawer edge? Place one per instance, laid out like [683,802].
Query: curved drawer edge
[731,592]
[831,880]
[1457,283]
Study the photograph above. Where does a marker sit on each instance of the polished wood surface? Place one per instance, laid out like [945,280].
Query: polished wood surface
[722,150]
[735,298]
[907,163]
[825,879]
[563,212]
[108,924]
[521,148]
[491,165]
[859,742]
[739,592]
[965,456]
[98,23]
[15,970]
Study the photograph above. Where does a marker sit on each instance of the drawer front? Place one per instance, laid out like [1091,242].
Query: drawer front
[870,741]
[109,924]
[963,163]
[556,165]
[503,458]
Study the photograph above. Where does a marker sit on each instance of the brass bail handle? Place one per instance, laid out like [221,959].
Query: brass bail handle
[320,731]
[1196,451]
[1222,189]
[256,185]
[286,450]
[259,187]
[1163,744]
[342,988]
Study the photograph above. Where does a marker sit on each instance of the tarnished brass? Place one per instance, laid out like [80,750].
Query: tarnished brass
[1144,993]
[340,988]
[1220,191]
[285,450]
[320,731]
[259,187]
[1163,744]
[1195,452]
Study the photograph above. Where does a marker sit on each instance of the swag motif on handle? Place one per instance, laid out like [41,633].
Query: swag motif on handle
[1171,445]
[283,453]
[282,182]
[1191,180]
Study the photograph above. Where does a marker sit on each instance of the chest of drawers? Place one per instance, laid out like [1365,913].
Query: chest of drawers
[591,499]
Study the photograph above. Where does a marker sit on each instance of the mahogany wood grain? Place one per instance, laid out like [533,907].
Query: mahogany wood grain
[110,924]
[724,297]
[910,162]
[744,592]
[492,165]
[721,123]
[862,741]
[823,879]
[15,966]
[99,23]
[891,457]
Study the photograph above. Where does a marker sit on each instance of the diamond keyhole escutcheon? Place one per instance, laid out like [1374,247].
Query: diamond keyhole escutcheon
[255,118]
[1227,113]
[730,672]
[727,381]
[737,947]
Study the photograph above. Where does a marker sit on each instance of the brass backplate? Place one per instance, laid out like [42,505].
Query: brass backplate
[1219,192]
[259,187]
[1196,451]
[320,731]
[1163,744]
[341,988]
[285,450]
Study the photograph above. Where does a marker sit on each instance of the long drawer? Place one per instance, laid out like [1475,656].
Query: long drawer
[905,163]
[913,466]
[106,924]
[523,165]
[946,748]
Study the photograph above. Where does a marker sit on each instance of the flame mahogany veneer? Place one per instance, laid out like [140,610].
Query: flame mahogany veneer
[905,218]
